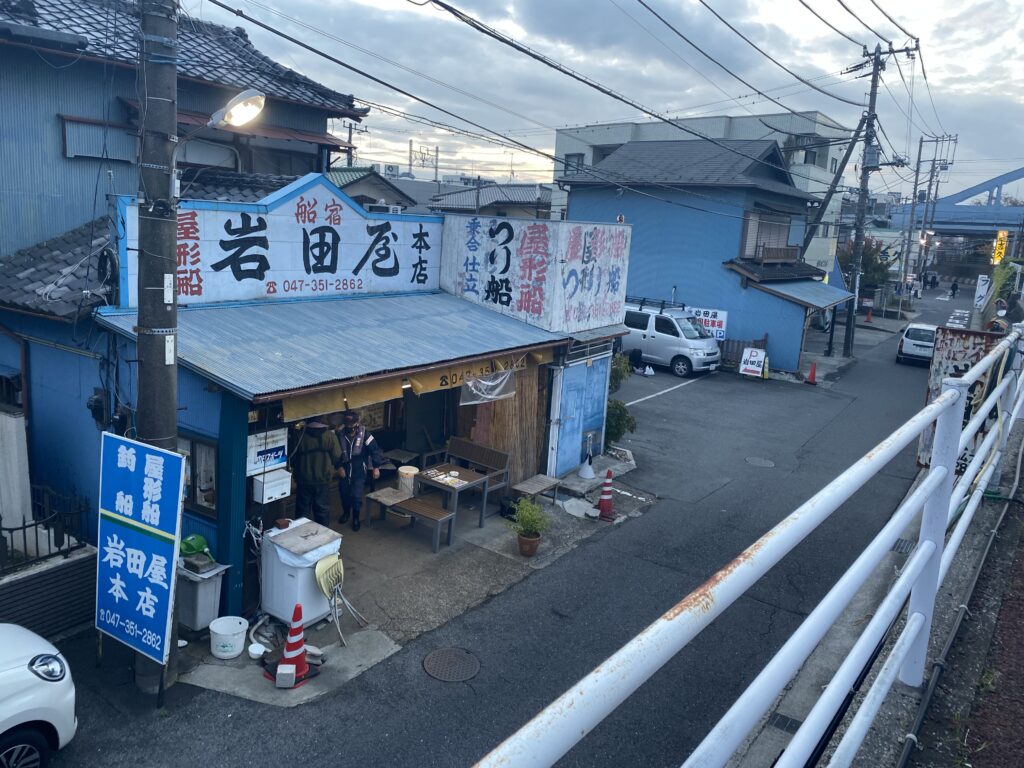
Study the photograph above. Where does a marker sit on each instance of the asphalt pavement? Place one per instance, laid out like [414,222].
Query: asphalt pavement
[727,457]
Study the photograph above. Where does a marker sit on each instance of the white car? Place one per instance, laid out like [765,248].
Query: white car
[916,343]
[37,699]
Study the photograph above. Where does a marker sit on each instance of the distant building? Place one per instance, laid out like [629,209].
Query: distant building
[811,144]
[373,192]
[532,201]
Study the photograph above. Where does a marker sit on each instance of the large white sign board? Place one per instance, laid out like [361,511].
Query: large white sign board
[561,276]
[305,240]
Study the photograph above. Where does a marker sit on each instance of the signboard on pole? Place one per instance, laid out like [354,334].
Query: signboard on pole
[139,530]
[715,320]
[752,363]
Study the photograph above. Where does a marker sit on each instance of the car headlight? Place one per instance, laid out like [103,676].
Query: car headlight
[48,667]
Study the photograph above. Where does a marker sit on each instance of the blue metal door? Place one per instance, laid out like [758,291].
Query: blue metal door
[571,416]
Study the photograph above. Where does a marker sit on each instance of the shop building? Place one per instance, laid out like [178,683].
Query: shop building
[303,304]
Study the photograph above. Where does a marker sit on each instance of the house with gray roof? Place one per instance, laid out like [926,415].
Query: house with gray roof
[715,226]
[530,201]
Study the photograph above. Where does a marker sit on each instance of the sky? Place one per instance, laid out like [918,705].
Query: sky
[970,51]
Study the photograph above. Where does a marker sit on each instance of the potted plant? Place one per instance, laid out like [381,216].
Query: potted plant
[529,522]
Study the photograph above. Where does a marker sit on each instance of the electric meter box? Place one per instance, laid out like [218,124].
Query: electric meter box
[271,486]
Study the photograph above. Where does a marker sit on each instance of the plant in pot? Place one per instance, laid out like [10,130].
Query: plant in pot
[529,523]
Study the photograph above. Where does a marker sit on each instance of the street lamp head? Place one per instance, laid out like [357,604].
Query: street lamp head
[240,110]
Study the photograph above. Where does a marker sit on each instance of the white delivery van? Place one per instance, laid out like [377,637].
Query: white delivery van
[671,336]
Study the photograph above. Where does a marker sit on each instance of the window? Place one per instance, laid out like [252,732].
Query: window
[636,320]
[574,162]
[810,157]
[921,334]
[200,475]
[693,328]
[765,231]
[665,325]
[834,164]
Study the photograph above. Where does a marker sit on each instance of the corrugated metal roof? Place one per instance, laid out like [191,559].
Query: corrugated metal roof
[259,349]
[494,194]
[809,293]
[604,332]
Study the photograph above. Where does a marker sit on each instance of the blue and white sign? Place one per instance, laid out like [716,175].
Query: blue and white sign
[266,451]
[139,530]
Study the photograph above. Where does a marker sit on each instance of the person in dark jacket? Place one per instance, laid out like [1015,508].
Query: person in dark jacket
[360,454]
[954,289]
[315,460]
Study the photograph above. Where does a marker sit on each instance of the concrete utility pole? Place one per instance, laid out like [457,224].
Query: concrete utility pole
[868,164]
[908,240]
[157,414]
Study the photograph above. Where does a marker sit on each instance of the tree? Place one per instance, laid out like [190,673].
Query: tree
[874,272]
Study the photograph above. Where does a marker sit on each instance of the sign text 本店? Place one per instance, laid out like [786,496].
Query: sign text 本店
[139,530]
[556,275]
[309,243]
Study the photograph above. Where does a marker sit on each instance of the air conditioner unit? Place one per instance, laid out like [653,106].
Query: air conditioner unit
[394,209]
[391,170]
[375,167]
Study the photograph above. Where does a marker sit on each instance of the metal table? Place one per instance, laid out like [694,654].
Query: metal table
[402,456]
[438,477]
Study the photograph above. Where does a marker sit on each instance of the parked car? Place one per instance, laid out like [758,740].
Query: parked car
[670,336]
[916,343]
[37,699]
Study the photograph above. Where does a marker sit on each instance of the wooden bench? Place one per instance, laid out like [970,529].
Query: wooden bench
[538,485]
[429,510]
[385,499]
[489,461]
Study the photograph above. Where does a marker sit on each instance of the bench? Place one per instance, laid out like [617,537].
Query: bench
[538,485]
[385,499]
[429,510]
[489,461]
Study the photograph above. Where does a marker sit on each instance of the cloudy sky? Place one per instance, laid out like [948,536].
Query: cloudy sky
[972,53]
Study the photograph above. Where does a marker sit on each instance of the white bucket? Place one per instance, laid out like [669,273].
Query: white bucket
[407,478]
[227,636]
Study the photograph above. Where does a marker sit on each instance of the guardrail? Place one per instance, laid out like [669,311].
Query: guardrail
[55,529]
[939,497]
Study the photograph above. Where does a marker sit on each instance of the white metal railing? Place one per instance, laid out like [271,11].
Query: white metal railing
[939,497]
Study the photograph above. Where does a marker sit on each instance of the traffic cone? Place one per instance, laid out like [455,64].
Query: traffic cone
[868,319]
[604,504]
[294,655]
[811,377]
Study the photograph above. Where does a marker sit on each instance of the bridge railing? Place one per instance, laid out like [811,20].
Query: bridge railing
[945,492]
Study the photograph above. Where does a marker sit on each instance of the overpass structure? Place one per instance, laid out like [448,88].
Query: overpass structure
[953,215]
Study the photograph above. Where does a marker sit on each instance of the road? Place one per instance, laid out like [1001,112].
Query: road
[728,458]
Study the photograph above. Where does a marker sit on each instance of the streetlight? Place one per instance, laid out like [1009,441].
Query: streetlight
[242,109]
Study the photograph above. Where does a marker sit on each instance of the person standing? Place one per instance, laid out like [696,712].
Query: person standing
[315,460]
[953,289]
[360,454]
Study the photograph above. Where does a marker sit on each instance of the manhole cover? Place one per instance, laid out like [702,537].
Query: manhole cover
[451,665]
[757,461]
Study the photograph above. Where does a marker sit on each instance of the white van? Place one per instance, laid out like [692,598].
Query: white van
[670,336]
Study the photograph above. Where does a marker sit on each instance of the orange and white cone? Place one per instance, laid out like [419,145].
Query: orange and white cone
[294,652]
[604,504]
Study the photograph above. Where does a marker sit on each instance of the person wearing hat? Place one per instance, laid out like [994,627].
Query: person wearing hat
[315,460]
[360,454]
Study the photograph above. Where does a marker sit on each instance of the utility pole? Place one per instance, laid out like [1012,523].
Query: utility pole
[348,161]
[437,160]
[410,157]
[157,331]
[477,195]
[908,239]
[868,164]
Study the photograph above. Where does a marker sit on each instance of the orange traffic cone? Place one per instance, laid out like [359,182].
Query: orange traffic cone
[604,504]
[294,657]
[868,320]
[812,376]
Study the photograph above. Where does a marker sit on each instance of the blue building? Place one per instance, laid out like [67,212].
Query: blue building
[713,227]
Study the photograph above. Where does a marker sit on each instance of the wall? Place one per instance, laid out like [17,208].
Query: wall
[682,248]
[511,425]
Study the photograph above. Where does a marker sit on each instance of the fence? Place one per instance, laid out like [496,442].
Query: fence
[732,349]
[942,498]
[54,529]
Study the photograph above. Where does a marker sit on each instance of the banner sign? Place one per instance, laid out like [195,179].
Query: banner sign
[981,291]
[266,451]
[307,239]
[561,276]
[956,351]
[139,531]
[715,320]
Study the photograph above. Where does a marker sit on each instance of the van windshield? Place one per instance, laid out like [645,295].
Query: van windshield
[692,329]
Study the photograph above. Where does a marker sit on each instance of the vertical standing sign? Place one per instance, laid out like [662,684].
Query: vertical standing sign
[139,531]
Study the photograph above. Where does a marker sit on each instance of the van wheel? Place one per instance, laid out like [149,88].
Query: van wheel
[681,366]
[24,748]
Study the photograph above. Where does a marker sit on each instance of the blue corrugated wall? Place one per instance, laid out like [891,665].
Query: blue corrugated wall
[681,247]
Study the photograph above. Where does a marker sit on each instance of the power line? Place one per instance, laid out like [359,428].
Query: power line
[479,26]
[928,86]
[926,130]
[893,21]
[863,23]
[830,25]
[775,61]
[711,58]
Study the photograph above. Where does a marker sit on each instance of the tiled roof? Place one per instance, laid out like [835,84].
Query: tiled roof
[49,278]
[693,163]
[777,271]
[423,191]
[343,176]
[494,194]
[229,186]
[207,52]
